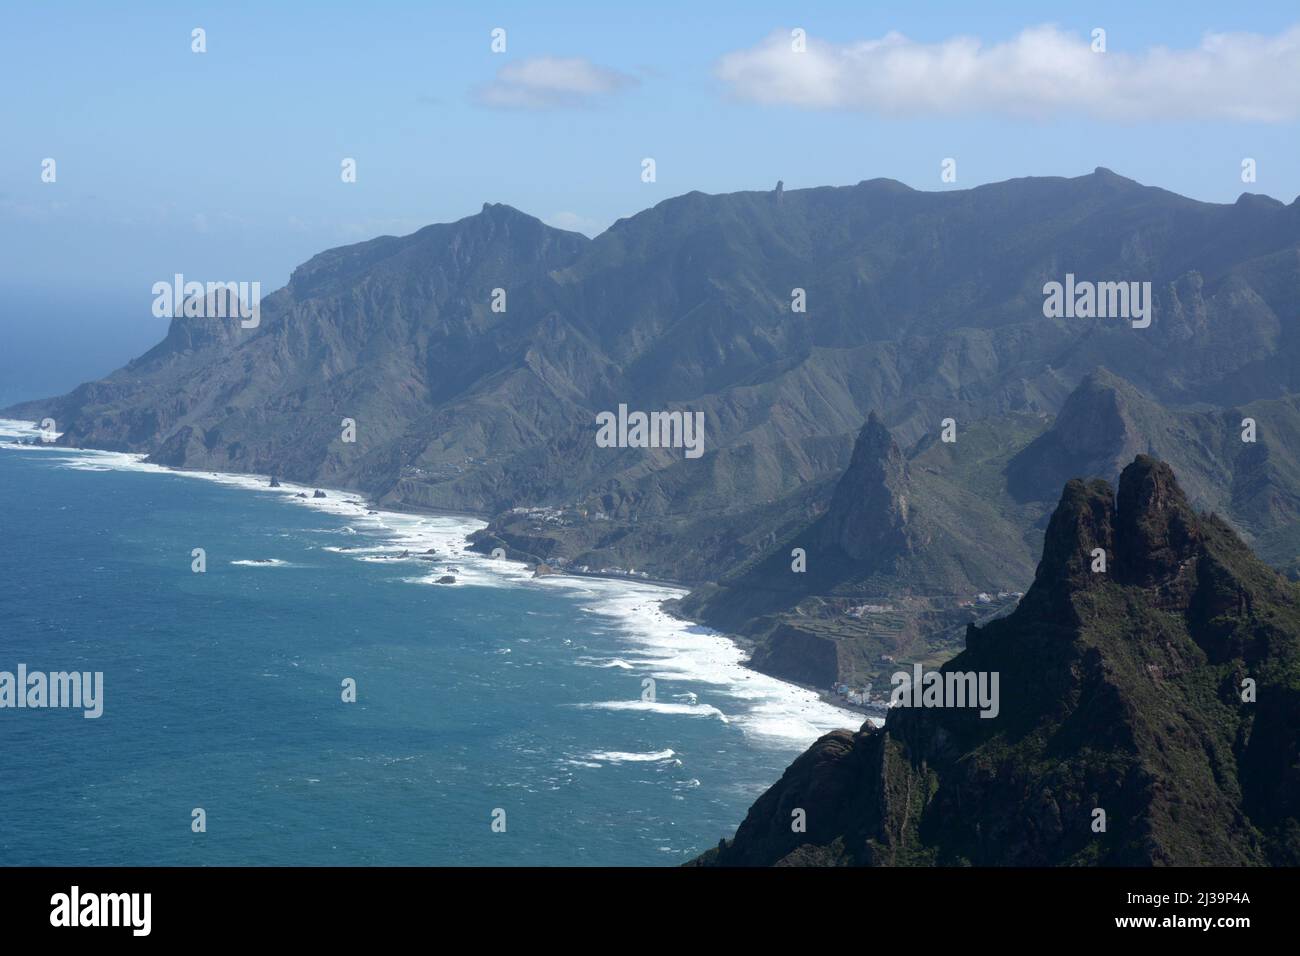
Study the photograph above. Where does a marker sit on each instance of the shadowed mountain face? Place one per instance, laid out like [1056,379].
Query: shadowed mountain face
[1164,691]
[881,572]
[474,357]
[1255,483]
[868,517]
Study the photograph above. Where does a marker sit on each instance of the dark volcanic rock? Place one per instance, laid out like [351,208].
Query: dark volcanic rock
[868,514]
[792,653]
[1120,691]
[1156,533]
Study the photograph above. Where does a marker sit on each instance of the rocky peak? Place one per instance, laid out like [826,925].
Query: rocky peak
[1095,433]
[1149,532]
[1156,530]
[1083,521]
[499,240]
[1097,417]
[870,510]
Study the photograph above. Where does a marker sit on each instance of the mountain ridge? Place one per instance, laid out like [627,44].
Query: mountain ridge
[921,307]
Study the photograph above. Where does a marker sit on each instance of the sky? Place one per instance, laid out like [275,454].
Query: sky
[227,164]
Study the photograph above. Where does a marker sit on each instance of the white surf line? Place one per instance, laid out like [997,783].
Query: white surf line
[619,756]
[12,429]
[671,649]
[666,647]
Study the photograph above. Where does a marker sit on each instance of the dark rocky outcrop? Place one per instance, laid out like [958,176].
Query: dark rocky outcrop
[795,654]
[868,514]
[1164,691]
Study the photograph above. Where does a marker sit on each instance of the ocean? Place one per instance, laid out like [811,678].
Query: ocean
[500,720]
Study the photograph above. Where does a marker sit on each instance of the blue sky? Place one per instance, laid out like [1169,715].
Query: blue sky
[226,164]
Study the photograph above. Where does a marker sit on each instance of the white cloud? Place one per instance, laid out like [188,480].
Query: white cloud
[1041,72]
[549,82]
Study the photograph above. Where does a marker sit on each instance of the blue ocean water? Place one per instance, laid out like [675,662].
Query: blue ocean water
[222,690]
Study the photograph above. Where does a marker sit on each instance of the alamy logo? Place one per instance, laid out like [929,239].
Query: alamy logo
[651,430]
[212,300]
[946,689]
[72,689]
[103,909]
[1098,300]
